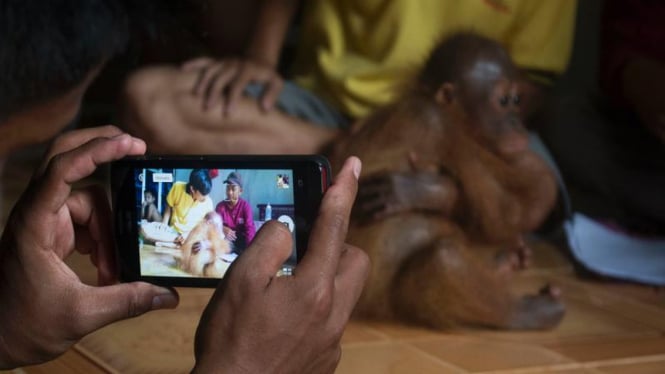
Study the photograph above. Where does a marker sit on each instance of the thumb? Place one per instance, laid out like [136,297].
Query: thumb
[101,306]
[270,248]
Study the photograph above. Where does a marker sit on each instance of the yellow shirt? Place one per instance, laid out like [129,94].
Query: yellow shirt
[185,212]
[355,53]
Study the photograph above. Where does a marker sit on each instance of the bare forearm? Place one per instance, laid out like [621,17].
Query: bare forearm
[167,215]
[272,25]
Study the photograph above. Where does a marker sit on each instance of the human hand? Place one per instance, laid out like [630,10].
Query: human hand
[222,82]
[389,193]
[229,234]
[45,306]
[257,322]
[200,246]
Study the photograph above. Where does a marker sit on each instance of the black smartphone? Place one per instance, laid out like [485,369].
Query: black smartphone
[183,220]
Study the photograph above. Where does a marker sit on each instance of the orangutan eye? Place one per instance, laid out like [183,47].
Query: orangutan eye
[517,99]
[504,100]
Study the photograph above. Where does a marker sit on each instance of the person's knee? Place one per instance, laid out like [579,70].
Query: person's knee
[143,92]
[146,86]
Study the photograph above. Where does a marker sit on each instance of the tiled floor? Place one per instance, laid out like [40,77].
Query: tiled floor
[609,328]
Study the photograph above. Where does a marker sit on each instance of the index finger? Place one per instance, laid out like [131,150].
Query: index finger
[329,233]
[64,169]
[236,89]
[72,139]
[196,63]
[274,87]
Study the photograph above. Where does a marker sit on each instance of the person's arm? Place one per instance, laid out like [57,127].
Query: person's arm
[153,214]
[250,229]
[229,233]
[390,193]
[541,45]
[255,320]
[271,27]
[167,215]
[49,222]
[222,82]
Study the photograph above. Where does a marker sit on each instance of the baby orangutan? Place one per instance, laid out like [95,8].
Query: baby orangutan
[451,187]
[203,247]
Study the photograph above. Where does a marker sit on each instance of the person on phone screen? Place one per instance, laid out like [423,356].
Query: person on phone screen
[187,203]
[149,211]
[237,215]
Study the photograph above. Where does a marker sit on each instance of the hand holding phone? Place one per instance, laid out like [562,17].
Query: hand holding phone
[212,207]
[305,313]
[45,306]
[259,323]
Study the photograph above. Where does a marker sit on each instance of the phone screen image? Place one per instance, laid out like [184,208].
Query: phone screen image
[183,223]
[195,222]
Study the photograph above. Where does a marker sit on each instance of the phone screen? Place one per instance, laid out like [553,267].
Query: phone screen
[172,202]
[178,221]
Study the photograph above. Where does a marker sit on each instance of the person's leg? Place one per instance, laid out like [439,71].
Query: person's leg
[161,108]
[642,166]
[612,169]
[575,134]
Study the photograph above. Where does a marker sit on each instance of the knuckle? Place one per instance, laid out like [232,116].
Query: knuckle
[330,359]
[338,219]
[74,312]
[60,142]
[320,301]
[277,230]
[359,258]
[247,279]
[336,330]
[239,286]
[57,165]
[109,129]
[134,305]
[336,356]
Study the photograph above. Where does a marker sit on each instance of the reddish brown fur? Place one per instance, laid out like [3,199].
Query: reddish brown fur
[439,270]
[204,259]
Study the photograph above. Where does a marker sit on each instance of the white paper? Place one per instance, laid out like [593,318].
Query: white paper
[615,254]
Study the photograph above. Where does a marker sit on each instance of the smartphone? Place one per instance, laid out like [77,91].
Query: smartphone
[183,220]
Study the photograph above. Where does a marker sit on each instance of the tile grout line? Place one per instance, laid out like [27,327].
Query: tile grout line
[434,358]
[410,340]
[584,365]
[610,294]
[406,346]
[625,361]
[94,359]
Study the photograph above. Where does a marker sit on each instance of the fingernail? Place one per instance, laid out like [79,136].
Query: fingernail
[165,299]
[138,141]
[357,167]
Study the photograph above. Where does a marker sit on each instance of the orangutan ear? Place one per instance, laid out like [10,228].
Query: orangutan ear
[446,94]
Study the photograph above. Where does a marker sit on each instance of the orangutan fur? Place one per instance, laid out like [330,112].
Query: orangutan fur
[439,268]
[203,246]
